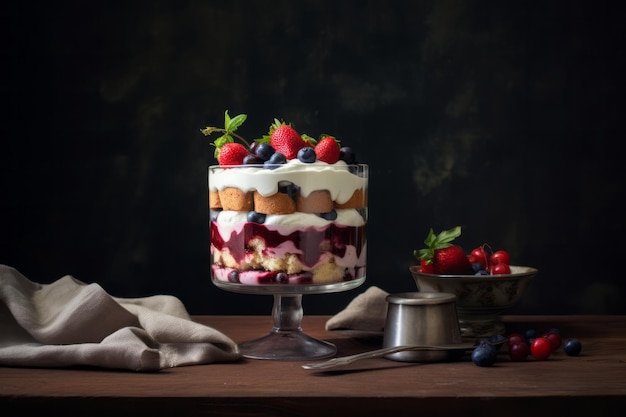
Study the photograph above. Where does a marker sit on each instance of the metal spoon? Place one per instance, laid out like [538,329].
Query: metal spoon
[345,360]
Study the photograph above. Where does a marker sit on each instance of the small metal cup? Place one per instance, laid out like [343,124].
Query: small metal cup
[422,318]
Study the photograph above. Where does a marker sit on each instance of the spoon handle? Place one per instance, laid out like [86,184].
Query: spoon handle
[345,360]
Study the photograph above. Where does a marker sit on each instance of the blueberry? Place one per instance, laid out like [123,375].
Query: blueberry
[233,276]
[282,278]
[307,155]
[484,354]
[256,217]
[330,215]
[277,158]
[264,151]
[289,188]
[251,160]
[482,272]
[477,267]
[497,340]
[572,347]
[347,155]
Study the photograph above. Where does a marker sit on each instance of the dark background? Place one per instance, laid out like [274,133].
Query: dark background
[506,118]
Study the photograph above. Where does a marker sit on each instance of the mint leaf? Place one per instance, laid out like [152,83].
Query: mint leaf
[235,122]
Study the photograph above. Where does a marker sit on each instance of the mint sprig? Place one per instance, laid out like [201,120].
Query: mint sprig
[228,131]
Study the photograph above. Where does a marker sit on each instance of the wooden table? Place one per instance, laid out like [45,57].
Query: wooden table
[593,383]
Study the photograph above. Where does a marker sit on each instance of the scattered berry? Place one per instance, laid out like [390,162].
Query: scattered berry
[484,354]
[331,215]
[516,338]
[497,340]
[554,338]
[541,348]
[518,352]
[572,347]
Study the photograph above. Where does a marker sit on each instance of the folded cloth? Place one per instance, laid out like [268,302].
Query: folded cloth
[70,323]
[366,312]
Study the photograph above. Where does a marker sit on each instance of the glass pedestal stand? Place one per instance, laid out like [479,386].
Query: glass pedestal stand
[286,340]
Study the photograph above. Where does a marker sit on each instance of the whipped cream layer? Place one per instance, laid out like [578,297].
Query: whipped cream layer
[336,178]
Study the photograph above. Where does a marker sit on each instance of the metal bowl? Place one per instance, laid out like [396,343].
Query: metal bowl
[479,298]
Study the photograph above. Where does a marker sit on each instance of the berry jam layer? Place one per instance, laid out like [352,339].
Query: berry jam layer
[259,254]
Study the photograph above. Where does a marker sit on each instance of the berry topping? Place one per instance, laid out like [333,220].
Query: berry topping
[282,139]
[327,150]
[264,151]
[307,155]
[277,158]
[252,159]
[347,155]
[286,140]
[232,154]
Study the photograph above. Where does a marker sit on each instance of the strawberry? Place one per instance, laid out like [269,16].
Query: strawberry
[232,154]
[442,255]
[286,140]
[327,150]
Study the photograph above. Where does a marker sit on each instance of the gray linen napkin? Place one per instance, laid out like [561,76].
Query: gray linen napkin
[366,312]
[69,323]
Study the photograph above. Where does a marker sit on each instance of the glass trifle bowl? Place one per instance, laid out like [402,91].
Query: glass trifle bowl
[287,230]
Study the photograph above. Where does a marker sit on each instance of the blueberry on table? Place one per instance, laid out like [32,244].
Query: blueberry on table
[572,347]
[484,354]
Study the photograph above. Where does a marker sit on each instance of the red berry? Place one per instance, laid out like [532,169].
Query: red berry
[500,257]
[500,269]
[541,348]
[426,268]
[518,352]
[479,255]
[555,340]
[286,140]
[232,154]
[451,260]
[327,150]
[516,338]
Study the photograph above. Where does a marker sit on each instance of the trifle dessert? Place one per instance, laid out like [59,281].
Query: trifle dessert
[286,209]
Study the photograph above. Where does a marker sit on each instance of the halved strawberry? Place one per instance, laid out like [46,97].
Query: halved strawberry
[327,150]
[442,255]
[286,140]
[232,154]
